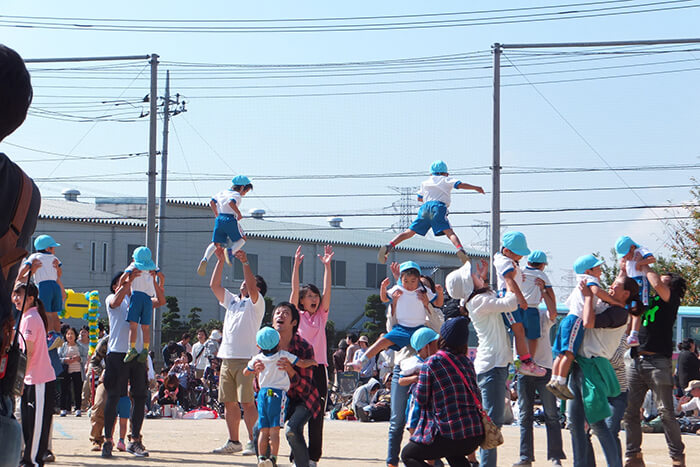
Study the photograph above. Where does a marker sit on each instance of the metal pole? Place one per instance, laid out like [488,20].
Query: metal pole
[87,59]
[546,45]
[496,162]
[152,140]
[156,328]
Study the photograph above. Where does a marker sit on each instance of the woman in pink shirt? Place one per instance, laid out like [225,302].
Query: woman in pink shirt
[39,380]
[313,316]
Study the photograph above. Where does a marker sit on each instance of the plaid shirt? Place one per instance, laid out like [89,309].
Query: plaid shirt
[302,387]
[446,405]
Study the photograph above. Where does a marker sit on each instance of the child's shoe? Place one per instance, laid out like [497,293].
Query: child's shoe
[143,356]
[564,391]
[132,354]
[202,268]
[633,341]
[530,368]
[262,462]
[228,256]
[462,255]
[552,387]
[121,446]
[54,340]
[383,252]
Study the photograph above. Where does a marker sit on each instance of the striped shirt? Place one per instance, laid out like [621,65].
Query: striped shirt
[618,363]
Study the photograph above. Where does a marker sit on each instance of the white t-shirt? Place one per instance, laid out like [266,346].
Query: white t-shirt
[46,272]
[494,348]
[142,283]
[640,253]
[223,198]
[411,366]
[575,300]
[503,265]
[693,404]
[410,311]
[437,188]
[199,354]
[601,342]
[271,376]
[118,340]
[543,354]
[242,321]
[529,288]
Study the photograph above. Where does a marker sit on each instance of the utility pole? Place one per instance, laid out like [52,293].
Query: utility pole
[152,140]
[496,163]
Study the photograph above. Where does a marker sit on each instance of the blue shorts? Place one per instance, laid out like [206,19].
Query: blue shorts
[432,214]
[124,407]
[531,323]
[51,296]
[272,405]
[412,412]
[226,226]
[400,336]
[569,336]
[140,308]
[512,317]
[643,284]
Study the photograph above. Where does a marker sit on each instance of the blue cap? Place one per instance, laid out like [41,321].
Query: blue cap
[43,242]
[423,337]
[142,259]
[455,332]
[409,265]
[586,262]
[438,167]
[623,245]
[240,180]
[537,256]
[515,242]
[267,338]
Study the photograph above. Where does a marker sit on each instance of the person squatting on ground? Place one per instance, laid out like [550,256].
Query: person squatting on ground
[272,396]
[434,196]
[314,310]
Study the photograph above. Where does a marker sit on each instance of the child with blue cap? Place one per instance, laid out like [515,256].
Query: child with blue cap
[272,397]
[46,272]
[570,332]
[143,276]
[409,304]
[632,256]
[410,367]
[509,276]
[535,287]
[435,197]
[226,208]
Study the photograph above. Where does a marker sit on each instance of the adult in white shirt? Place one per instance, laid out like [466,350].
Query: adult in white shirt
[244,314]
[199,354]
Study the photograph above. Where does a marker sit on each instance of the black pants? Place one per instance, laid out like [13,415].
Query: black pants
[117,378]
[37,410]
[320,377]
[72,381]
[454,450]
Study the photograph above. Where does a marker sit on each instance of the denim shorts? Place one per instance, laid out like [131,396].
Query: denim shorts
[432,214]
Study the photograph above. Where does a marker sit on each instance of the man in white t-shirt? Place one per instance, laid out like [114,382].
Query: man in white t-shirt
[199,354]
[244,314]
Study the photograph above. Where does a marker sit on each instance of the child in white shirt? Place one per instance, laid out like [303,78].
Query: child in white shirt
[635,256]
[272,397]
[410,368]
[535,287]
[226,207]
[435,197]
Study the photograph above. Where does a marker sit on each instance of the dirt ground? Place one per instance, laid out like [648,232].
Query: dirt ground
[346,443]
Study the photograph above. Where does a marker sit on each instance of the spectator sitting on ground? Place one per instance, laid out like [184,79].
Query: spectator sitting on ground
[171,352]
[363,397]
[170,393]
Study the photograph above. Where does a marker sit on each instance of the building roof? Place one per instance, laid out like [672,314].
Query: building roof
[76,211]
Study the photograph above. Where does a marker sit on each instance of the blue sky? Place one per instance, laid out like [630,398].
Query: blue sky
[643,120]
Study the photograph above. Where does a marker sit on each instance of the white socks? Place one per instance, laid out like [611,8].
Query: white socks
[209,251]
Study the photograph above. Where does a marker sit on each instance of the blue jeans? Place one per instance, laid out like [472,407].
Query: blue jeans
[10,434]
[397,422]
[618,405]
[493,395]
[583,450]
[527,386]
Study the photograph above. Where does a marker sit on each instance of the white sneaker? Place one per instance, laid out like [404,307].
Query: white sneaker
[78,413]
[202,268]
[249,449]
[229,448]
[64,413]
[265,463]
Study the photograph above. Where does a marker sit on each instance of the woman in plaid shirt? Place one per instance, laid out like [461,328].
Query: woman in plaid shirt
[449,425]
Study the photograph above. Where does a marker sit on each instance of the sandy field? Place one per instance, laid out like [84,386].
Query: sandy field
[346,443]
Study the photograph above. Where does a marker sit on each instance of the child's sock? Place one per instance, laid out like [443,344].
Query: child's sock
[459,247]
[561,380]
[634,334]
[146,346]
[525,358]
[133,345]
[209,251]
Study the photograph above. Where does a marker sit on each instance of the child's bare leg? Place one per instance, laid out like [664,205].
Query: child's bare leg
[146,330]
[122,427]
[532,345]
[405,235]
[264,441]
[54,324]
[133,326]
[565,366]
[633,339]
[274,441]
[556,366]
[520,341]
[381,344]
[453,238]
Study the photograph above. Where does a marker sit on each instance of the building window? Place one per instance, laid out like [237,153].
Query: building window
[375,275]
[130,252]
[338,272]
[93,256]
[238,267]
[104,257]
[286,268]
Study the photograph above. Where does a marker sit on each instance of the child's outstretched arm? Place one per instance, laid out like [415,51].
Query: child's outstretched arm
[298,258]
[606,297]
[382,291]
[327,276]
[212,205]
[466,186]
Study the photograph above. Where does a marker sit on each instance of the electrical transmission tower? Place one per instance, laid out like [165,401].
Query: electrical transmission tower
[405,207]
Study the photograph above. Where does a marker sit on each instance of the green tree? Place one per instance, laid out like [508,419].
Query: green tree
[212,324]
[194,322]
[172,327]
[610,268]
[375,310]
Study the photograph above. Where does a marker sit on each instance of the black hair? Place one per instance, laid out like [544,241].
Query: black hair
[352,336]
[411,272]
[185,335]
[202,330]
[678,284]
[115,282]
[431,282]
[75,333]
[30,290]
[261,284]
[100,326]
[85,327]
[15,91]
[293,309]
[305,289]
[271,351]
[686,343]
[64,329]
[240,188]
[189,357]
[634,301]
